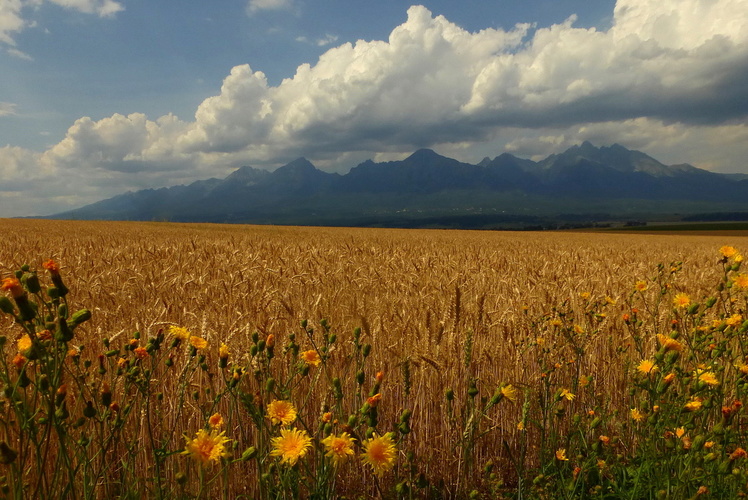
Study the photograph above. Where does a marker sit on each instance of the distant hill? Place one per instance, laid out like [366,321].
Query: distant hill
[584,183]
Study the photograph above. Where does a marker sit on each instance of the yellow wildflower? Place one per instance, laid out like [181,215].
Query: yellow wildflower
[647,366]
[198,342]
[179,332]
[509,392]
[734,320]
[679,432]
[223,351]
[291,445]
[206,446]
[24,344]
[584,295]
[709,378]
[741,280]
[578,329]
[338,448]
[561,454]
[566,393]
[641,286]
[311,357]
[727,251]
[637,415]
[380,453]
[669,343]
[281,412]
[693,405]
[681,300]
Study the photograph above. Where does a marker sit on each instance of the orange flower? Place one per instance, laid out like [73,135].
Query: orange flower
[641,286]
[374,400]
[379,377]
[215,421]
[140,352]
[561,455]
[51,266]
[738,453]
[13,286]
[19,361]
[270,341]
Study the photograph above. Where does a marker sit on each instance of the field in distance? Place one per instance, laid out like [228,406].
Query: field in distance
[416,294]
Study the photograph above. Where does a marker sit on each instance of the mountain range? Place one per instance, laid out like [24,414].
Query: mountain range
[584,183]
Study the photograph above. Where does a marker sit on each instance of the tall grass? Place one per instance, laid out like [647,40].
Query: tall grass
[457,323]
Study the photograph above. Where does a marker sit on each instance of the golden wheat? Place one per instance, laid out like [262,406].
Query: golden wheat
[416,294]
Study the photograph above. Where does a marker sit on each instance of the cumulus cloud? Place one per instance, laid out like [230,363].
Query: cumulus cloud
[667,74]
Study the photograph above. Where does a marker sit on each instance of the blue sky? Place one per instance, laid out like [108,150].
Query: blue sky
[102,96]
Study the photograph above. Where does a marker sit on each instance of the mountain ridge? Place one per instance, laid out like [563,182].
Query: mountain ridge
[583,179]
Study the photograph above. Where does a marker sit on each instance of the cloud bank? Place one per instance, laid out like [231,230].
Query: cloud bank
[667,75]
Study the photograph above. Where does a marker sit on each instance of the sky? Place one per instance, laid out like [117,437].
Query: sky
[99,97]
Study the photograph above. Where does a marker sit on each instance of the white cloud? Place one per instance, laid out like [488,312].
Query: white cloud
[102,8]
[7,108]
[13,19]
[668,76]
[257,5]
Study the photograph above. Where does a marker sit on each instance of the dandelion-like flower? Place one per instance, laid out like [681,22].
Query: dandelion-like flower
[578,329]
[741,280]
[380,453]
[180,332]
[338,448]
[637,415]
[693,405]
[566,393]
[641,286]
[561,455]
[647,366]
[727,251]
[24,344]
[509,392]
[223,351]
[669,343]
[738,453]
[281,412]
[734,320]
[681,300]
[709,378]
[291,445]
[206,446]
[311,357]
[198,342]
[140,352]
[679,432]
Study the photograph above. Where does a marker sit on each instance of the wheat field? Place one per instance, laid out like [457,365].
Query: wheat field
[419,297]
